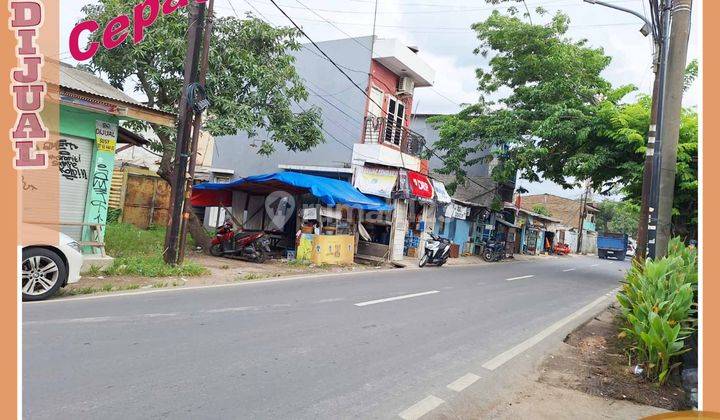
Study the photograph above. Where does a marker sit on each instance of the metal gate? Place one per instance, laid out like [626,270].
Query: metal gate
[146,201]
[74,159]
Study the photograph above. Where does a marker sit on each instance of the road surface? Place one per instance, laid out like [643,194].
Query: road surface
[391,344]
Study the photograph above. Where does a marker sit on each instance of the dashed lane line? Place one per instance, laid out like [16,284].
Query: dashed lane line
[463,382]
[521,277]
[508,355]
[390,299]
[421,408]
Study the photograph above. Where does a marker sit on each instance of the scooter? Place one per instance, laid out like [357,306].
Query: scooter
[493,251]
[437,251]
[235,243]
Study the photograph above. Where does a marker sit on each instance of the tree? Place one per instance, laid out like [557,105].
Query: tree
[549,114]
[618,216]
[540,209]
[251,81]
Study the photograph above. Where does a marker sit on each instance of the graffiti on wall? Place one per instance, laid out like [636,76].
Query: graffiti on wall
[101,189]
[69,160]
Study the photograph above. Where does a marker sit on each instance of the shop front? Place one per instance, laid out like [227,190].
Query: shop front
[307,217]
[414,216]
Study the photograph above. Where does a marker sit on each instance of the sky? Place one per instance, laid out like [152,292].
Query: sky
[441,31]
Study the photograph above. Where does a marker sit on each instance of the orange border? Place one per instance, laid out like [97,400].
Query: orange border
[8,219]
[710,151]
[9,215]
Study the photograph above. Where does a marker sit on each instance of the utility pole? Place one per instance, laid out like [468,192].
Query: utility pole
[583,213]
[197,125]
[652,221]
[670,123]
[651,154]
[642,237]
[194,34]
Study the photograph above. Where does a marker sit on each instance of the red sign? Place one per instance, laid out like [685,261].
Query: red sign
[420,185]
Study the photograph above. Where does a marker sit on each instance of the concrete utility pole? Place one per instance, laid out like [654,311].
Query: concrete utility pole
[194,36]
[670,123]
[651,154]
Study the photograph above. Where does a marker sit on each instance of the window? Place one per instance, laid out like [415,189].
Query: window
[395,121]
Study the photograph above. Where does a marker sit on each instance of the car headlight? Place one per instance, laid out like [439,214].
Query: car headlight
[76,246]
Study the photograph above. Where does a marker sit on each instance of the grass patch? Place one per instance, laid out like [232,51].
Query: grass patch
[106,287]
[254,276]
[94,271]
[138,252]
[152,266]
[298,263]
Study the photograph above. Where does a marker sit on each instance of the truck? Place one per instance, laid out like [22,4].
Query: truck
[612,245]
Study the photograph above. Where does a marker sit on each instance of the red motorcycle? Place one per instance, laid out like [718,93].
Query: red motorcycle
[235,243]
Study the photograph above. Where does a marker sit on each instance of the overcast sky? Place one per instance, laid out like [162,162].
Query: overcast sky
[441,30]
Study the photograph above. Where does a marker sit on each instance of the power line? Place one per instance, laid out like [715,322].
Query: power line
[354,84]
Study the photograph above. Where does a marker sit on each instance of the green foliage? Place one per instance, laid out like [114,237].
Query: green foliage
[113,215]
[541,209]
[152,266]
[658,308]
[558,119]
[138,252]
[251,82]
[618,217]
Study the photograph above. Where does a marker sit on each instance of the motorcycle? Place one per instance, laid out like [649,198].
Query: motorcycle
[493,251]
[437,251]
[235,243]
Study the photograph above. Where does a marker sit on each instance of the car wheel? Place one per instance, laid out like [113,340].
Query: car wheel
[43,273]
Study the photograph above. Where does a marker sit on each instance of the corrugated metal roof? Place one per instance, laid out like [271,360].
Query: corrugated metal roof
[83,81]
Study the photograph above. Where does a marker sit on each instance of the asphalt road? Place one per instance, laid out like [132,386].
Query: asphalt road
[363,345]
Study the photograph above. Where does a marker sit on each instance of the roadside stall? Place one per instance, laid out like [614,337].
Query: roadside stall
[375,227]
[315,218]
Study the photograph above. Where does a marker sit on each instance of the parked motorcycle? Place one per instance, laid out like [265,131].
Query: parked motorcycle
[437,251]
[493,251]
[235,243]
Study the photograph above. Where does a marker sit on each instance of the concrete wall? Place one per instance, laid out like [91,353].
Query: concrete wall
[419,124]
[343,119]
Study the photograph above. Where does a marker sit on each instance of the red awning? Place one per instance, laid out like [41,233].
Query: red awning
[420,185]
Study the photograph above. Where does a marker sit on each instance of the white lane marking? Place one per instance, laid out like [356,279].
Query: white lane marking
[463,382]
[330,300]
[594,265]
[506,356]
[390,299]
[233,309]
[95,319]
[520,278]
[569,269]
[421,408]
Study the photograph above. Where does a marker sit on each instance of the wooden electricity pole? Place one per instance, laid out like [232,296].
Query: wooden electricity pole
[583,208]
[197,126]
[194,36]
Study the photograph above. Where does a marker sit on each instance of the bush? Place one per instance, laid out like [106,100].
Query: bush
[138,252]
[659,309]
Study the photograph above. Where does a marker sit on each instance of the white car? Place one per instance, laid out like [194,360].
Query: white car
[48,265]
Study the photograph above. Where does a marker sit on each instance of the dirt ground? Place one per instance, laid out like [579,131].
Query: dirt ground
[593,361]
[586,377]
[221,271]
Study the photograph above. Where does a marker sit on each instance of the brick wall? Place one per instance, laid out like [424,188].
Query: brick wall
[565,209]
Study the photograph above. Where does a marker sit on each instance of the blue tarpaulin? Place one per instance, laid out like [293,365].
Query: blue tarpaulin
[331,192]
